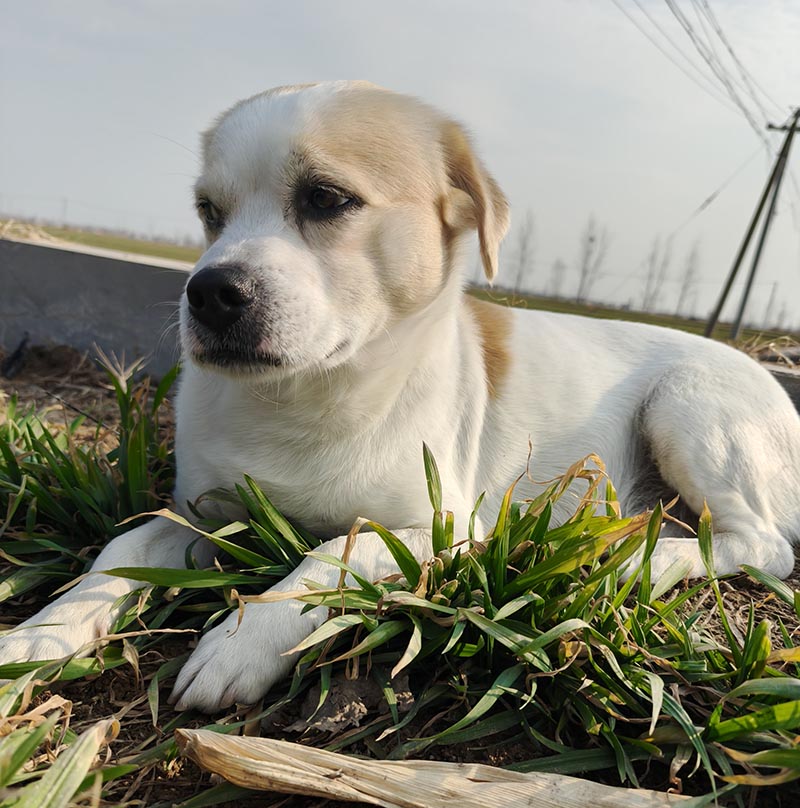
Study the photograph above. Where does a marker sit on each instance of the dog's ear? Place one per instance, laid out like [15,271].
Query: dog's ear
[484,208]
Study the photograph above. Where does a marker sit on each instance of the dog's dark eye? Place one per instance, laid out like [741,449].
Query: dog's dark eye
[325,201]
[209,214]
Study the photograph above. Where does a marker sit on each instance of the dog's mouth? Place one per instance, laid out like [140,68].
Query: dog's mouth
[253,361]
[239,360]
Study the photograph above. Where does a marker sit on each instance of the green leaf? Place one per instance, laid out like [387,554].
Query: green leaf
[276,519]
[22,580]
[782,688]
[330,628]
[520,644]
[499,687]
[66,671]
[473,516]
[403,557]
[756,650]
[185,579]
[381,635]
[164,386]
[404,598]
[366,585]
[433,478]
[779,716]
[775,585]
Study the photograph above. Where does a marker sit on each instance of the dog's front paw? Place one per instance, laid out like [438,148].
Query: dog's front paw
[57,631]
[238,664]
[678,558]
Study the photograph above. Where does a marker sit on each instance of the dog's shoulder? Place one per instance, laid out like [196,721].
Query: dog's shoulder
[494,325]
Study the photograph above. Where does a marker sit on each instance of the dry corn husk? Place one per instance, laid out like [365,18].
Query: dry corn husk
[270,765]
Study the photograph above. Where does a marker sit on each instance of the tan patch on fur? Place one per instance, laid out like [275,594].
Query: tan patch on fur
[494,327]
[385,144]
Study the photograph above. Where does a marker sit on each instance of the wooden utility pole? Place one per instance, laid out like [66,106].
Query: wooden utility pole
[770,192]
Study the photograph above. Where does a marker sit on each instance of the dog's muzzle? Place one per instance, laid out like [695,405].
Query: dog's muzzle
[219,296]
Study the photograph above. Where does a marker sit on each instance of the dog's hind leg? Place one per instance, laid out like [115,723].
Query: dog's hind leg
[727,435]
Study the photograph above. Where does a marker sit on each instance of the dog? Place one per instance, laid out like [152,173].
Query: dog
[326,334]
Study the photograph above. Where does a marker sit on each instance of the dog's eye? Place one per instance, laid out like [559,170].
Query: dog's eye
[326,198]
[325,201]
[209,214]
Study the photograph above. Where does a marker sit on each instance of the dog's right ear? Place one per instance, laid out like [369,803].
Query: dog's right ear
[485,207]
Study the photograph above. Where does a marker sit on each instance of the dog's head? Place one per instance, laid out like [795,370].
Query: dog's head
[331,211]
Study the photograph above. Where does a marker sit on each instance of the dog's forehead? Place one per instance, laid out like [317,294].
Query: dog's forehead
[369,136]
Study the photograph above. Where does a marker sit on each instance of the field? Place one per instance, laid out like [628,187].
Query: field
[104,240]
[524,650]
[161,249]
[564,306]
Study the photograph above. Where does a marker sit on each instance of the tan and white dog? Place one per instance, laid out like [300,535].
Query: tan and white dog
[326,335]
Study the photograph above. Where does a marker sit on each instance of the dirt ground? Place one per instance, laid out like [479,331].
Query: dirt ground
[62,384]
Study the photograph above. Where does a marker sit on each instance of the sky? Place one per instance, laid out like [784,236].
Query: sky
[574,110]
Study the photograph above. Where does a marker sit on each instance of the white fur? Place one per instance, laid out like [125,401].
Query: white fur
[385,354]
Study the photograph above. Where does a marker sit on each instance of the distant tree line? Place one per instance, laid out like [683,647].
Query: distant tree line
[577,280]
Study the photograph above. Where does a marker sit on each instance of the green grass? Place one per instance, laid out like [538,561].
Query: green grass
[564,306]
[527,638]
[110,241]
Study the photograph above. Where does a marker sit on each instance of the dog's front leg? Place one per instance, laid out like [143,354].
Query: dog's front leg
[88,610]
[238,665]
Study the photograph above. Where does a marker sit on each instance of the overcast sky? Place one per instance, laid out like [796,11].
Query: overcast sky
[574,110]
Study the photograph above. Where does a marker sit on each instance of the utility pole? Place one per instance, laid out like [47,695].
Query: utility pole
[770,192]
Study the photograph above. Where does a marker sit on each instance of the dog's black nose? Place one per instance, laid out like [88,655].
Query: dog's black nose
[219,295]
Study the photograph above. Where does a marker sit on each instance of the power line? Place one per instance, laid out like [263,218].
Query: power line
[706,88]
[708,81]
[710,35]
[711,198]
[750,81]
[717,68]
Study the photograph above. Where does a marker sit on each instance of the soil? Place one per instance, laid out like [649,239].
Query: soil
[62,384]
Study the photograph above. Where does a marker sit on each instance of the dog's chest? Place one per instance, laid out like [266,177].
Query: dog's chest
[321,480]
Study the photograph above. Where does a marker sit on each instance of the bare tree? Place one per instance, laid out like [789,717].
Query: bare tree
[781,323]
[770,305]
[557,273]
[524,257]
[594,245]
[688,282]
[657,262]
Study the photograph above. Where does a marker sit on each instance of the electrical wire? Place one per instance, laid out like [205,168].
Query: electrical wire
[703,76]
[750,81]
[717,68]
[706,87]
[701,208]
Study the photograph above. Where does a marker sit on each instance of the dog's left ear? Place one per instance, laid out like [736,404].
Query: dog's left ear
[484,208]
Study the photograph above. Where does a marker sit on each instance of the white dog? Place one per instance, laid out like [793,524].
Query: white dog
[326,335]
